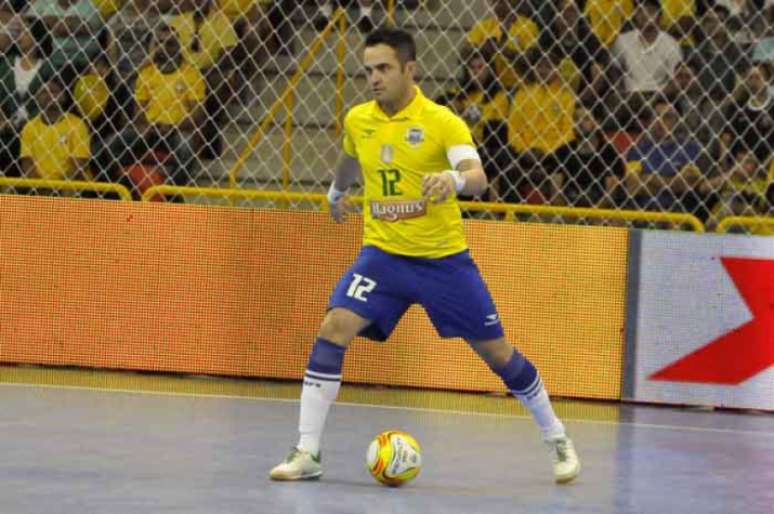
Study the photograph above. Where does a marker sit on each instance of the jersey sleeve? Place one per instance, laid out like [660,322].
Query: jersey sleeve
[456,131]
[348,141]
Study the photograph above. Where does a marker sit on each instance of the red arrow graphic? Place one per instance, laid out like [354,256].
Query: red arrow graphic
[746,350]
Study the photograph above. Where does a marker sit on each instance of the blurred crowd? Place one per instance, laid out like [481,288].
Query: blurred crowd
[663,105]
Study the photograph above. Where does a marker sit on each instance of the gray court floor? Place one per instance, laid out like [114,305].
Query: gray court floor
[83,451]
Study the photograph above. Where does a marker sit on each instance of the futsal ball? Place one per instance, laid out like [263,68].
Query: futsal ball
[394,458]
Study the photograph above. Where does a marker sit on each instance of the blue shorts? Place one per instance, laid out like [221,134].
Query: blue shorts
[381,286]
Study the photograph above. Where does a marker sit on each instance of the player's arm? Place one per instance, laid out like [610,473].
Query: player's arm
[466,178]
[347,174]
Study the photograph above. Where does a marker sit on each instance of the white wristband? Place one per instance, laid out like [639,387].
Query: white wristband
[459,180]
[334,195]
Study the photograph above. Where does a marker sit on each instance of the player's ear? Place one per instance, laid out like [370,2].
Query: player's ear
[410,68]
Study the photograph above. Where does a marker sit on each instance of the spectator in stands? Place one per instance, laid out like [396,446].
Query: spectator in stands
[75,26]
[169,94]
[540,122]
[132,29]
[506,37]
[103,101]
[108,8]
[364,19]
[9,28]
[718,58]
[702,117]
[482,102]
[749,19]
[208,39]
[23,71]
[742,188]
[647,55]
[591,169]
[586,62]
[55,143]
[607,18]
[752,120]
[664,168]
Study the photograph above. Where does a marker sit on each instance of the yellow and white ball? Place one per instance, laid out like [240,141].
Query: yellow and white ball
[394,458]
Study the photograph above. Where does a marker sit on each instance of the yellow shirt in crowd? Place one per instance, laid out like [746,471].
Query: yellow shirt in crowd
[91,95]
[170,97]
[108,7]
[673,10]
[477,110]
[606,18]
[240,8]
[541,117]
[394,154]
[52,148]
[215,34]
[522,34]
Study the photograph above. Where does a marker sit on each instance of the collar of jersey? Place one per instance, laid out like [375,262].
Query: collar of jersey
[411,111]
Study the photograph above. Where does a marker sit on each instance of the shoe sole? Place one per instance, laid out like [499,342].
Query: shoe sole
[566,479]
[285,478]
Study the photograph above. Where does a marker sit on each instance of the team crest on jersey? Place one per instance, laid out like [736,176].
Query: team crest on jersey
[415,136]
[387,154]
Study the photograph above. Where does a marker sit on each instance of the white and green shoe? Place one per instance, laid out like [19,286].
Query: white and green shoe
[298,465]
[566,463]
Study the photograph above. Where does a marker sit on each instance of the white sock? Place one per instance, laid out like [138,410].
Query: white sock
[317,395]
[539,404]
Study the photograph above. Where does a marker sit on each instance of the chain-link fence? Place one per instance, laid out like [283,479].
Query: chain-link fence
[609,105]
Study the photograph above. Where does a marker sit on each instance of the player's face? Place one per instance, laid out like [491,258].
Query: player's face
[388,78]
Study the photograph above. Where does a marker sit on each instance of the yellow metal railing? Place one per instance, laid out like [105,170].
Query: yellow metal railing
[282,197]
[757,225]
[66,185]
[341,53]
[509,210]
[285,100]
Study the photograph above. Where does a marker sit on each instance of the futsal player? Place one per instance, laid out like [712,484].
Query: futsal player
[414,156]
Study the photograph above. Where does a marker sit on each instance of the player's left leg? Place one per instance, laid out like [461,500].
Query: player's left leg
[463,307]
[523,381]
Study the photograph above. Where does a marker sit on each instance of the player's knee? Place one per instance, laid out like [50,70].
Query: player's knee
[496,353]
[341,326]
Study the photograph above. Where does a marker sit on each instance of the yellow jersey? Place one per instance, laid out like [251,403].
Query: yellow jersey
[53,147]
[541,117]
[522,34]
[394,153]
[607,17]
[214,35]
[172,96]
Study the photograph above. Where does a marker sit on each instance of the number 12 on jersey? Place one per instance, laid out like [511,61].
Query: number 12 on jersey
[390,179]
[360,286]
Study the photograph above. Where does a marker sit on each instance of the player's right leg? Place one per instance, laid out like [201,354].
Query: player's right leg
[322,380]
[368,300]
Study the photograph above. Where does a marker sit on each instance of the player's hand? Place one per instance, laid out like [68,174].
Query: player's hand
[437,187]
[339,210]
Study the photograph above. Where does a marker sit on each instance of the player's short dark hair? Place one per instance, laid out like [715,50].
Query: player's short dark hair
[399,40]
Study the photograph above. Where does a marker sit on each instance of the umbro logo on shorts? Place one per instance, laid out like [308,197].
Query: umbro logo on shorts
[492,319]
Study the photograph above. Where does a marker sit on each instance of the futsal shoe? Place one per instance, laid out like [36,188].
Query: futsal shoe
[298,465]
[566,462]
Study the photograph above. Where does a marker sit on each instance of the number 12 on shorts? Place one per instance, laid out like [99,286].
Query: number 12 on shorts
[360,286]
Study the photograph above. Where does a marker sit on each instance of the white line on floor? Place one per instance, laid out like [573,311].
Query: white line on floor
[396,407]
